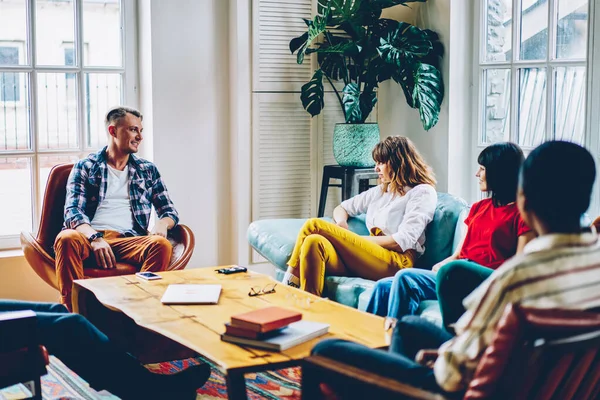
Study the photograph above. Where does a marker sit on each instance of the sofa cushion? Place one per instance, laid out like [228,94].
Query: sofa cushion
[274,239]
[347,290]
[439,235]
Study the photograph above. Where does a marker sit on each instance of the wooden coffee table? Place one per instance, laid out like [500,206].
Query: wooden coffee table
[112,302]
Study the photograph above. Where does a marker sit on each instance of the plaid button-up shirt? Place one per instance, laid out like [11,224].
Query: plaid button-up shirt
[86,188]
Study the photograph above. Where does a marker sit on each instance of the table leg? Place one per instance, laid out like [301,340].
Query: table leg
[324,189]
[236,385]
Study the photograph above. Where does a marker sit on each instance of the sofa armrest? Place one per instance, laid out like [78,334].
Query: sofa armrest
[357,383]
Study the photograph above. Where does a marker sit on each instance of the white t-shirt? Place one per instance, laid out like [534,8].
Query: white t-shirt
[114,212]
[402,217]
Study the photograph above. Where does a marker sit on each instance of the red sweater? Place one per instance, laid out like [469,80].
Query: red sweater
[492,233]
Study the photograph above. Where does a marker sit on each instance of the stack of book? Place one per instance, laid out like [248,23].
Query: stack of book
[271,328]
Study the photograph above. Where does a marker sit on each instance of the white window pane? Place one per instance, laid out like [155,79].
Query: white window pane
[13,32]
[569,104]
[15,197]
[498,30]
[534,30]
[45,164]
[102,92]
[102,32]
[572,29]
[57,111]
[55,26]
[14,111]
[532,106]
[496,113]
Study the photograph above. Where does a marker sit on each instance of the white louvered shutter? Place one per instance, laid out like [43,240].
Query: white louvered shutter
[276,22]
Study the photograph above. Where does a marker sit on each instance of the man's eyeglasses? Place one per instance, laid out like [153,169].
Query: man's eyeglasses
[258,291]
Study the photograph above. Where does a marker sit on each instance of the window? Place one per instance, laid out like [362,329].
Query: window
[10,85]
[533,71]
[533,66]
[61,69]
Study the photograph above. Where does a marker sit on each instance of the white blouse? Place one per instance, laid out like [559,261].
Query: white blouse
[402,217]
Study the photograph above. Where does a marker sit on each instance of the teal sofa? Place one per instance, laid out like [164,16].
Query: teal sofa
[274,239]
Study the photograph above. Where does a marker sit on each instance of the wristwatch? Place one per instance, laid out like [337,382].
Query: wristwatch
[95,236]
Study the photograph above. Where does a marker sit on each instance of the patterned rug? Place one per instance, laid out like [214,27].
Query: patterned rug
[281,384]
[62,383]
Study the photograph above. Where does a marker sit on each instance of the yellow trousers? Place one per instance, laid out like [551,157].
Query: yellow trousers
[323,248]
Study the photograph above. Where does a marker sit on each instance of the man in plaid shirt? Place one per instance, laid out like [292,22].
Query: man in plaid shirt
[109,200]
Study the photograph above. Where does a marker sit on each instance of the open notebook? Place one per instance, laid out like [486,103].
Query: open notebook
[191,294]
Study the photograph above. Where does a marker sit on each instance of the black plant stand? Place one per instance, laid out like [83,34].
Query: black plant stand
[353,181]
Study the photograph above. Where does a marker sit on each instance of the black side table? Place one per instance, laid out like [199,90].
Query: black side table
[354,180]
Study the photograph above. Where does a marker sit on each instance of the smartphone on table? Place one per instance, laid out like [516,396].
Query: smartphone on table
[232,270]
[149,276]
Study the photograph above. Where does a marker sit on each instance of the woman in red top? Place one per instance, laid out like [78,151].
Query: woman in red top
[495,232]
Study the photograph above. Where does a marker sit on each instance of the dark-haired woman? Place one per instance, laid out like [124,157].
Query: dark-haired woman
[495,232]
[397,212]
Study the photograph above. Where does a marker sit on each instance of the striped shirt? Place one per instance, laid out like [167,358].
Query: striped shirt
[554,271]
[86,188]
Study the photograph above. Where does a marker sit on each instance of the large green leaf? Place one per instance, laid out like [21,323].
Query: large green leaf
[333,66]
[338,11]
[405,44]
[357,105]
[312,94]
[348,49]
[315,27]
[428,94]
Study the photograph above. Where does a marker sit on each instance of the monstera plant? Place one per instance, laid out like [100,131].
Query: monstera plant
[354,45]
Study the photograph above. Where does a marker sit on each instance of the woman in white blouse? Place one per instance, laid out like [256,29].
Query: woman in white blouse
[398,210]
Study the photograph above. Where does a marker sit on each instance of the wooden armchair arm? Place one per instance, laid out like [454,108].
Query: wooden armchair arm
[358,383]
[17,330]
[22,358]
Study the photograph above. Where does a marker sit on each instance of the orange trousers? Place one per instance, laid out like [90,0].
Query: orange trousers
[323,248]
[150,253]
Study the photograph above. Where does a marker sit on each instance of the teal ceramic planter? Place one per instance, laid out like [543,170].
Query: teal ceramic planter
[354,143]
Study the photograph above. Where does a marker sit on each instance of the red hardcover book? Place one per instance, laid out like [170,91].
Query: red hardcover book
[245,333]
[265,319]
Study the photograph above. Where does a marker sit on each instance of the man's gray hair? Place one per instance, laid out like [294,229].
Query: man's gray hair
[115,114]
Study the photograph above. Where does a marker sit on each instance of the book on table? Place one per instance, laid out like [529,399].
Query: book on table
[292,335]
[241,332]
[191,294]
[265,319]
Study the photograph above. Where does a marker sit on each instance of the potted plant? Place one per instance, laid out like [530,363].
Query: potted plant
[354,45]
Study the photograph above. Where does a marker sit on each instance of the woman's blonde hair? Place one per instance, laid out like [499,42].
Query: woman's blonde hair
[407,166]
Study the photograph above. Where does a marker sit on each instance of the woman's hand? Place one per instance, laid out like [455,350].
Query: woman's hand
[342,224]
[439,265]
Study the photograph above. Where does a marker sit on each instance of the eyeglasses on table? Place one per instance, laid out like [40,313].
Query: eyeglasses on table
[258,291]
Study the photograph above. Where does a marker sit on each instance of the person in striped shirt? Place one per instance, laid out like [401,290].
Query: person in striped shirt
[559,268]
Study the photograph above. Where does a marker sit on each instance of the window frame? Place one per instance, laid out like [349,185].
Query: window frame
[592,89]
[129,94]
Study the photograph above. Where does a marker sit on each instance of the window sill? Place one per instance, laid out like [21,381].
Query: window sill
[11,253]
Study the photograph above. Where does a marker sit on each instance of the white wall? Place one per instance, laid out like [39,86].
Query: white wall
[187,92]
[448,143]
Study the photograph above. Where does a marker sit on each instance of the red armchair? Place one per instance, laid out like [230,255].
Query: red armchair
[39,252]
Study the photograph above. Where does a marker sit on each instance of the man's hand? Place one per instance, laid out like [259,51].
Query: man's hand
[342,224]
[427,357]
[160,228]
[105,257]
